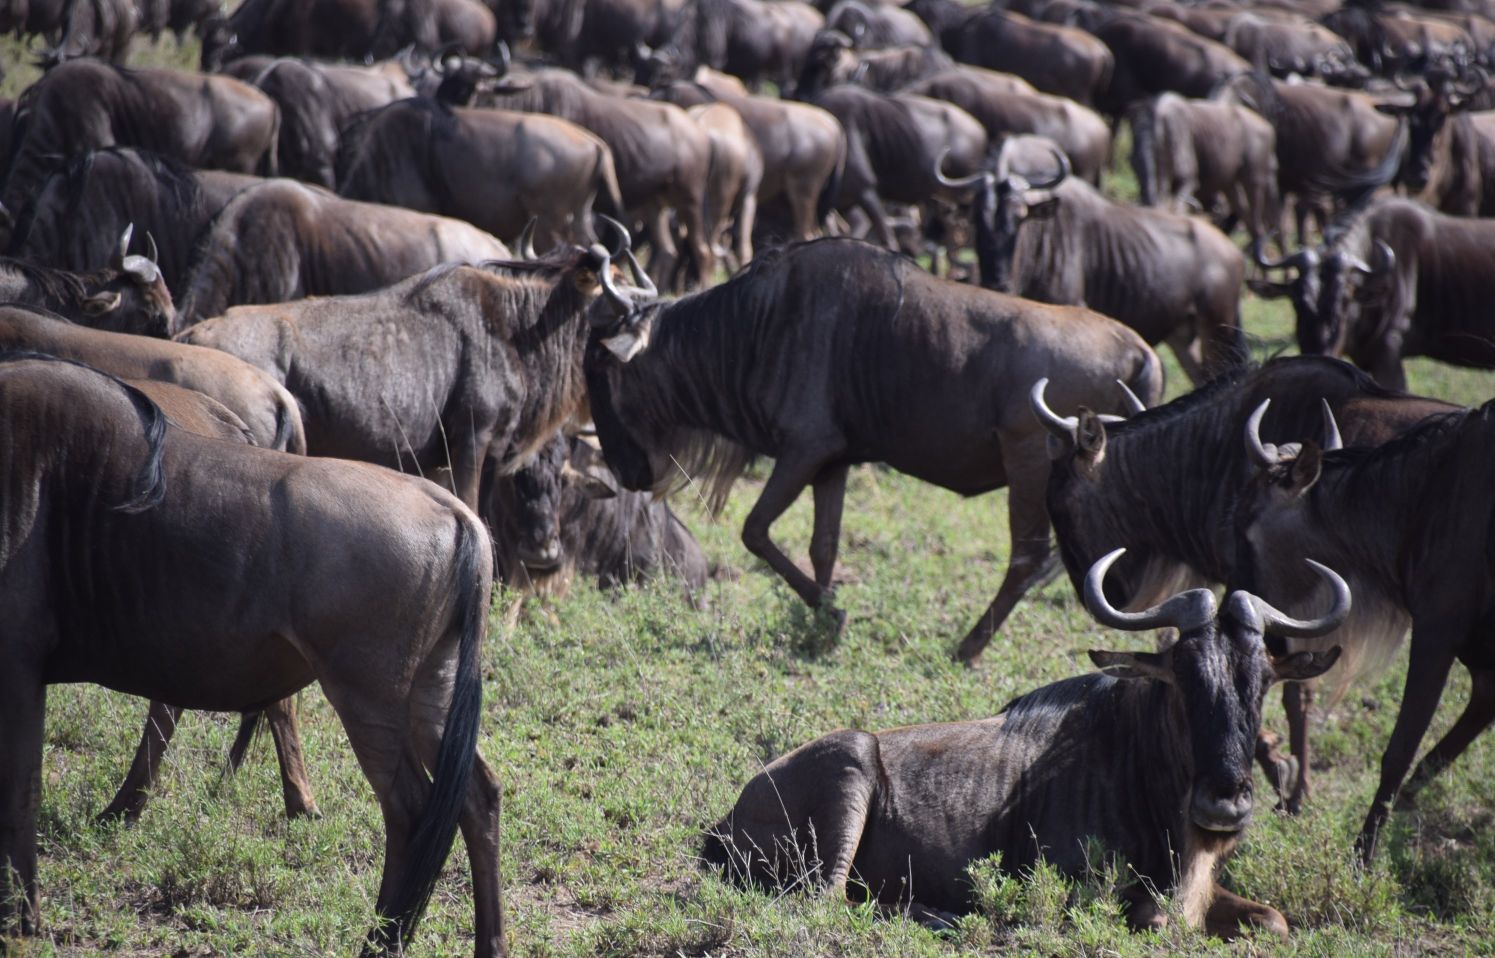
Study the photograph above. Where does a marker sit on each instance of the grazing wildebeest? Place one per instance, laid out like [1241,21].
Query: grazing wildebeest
[1156,56]
[458,368]
[127,296]
[833,352]
[1424,559]
[221,576]
[1206,150]
[1397,280]
[496,169]
[1172,278]
[1138,482]
[346,29]
[267,409]
[557,517]
[75,217]
[1151,756]
[1285,44]
[207,121]
[283,240]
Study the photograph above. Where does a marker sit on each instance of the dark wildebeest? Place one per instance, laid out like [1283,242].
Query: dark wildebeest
[609,33]
[267,409]
[207,121]
[1151,757]
[1461,172]
[1062,60]
[832,60]
[496,169]
[346,29]
[1391,41]
[457,368]
[127,296]
[1138,482]
[74,219]
[830,353]
[1186,151]
[283,240]
[95,28]
[757,40]
[1284,45]
[555,518]
[874,25]
[221,576]
[1442,163]
[1172,278]
[1412,522]
[1156,56]
[1397,280]
[1004,110]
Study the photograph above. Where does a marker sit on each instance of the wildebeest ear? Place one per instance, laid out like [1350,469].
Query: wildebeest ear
[631,340]
[1306,468]
[1133,665]
[589,473]
[1302,666]
[1090,435]
[101,303]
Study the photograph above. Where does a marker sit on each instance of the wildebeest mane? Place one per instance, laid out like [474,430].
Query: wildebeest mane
[54,285]
[420,119]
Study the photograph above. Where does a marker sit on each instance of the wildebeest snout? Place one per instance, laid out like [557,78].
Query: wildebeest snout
[1224,807]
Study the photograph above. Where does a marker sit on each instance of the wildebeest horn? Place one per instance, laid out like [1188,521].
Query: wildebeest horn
[621,303]
[1062,426]
[1402,81]
[1260,454]
[1064,169]
[505,58]
[1332,440]
[1193,609]
[123,247]
[639,276]
[959,183]
[1288,627]
[525,245]
[625,239]
[150,241]
[446,52]
[1133,404]
[1468,88]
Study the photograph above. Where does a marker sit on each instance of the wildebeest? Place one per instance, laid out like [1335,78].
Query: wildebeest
[830,353]
[1391,41]
[757,40]
[736,173]
[127,296]
[1172,278]
[1442,166]
[1156,56]
[1205,150]
[874,25]
[1151,757]
[1411,521]
[1284,45]
[1139,482]
[832,60]
[222,576]
[457,368]
[496,169]
[95,28]
[283,240]
[207,121]
[1398,279]
[346,29]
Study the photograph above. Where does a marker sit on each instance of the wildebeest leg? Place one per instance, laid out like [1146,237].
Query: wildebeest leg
[1477,716]
[480,832]
[662,241]
[747,213]
[1230,914]
[23,705]
[1297,701]
[702,259]
[1032,556]
[1142,911]
[830,497]
[1184,341]
[286,731]
[1281,770]
[789,476]
[871,204]
[802,203]
[134,791]
[1427,673]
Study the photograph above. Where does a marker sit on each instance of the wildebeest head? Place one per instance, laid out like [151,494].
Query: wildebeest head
[459,76]
[1220,669]
[1331,285]
[1440,94]
[829,62]
[1003,201]
[220,43]
[134,299]
[528,504]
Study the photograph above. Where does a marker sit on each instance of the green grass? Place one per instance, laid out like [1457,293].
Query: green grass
[621,725]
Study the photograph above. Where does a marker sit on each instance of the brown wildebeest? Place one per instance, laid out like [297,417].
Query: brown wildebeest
[1152,757]
[736,173]
[834,352]
[222,576]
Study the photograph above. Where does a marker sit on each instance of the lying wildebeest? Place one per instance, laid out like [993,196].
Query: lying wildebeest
[346,29]
[1151,757]
[127,296]
[1185,151]
[75,217]
[1396,280]
[1156,56]
[222,576]
[561,515]
[456,368]
[1172,278]
[1138,482]
[207,121]
[270,413]
[496,169]
[283,240]
[1426,557]
[830,353]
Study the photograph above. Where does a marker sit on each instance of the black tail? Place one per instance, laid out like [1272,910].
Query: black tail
[249,726]
[1143,121]
[432,841]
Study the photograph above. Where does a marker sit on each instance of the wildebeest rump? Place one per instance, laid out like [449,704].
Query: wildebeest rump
[221,576]
[831,353]
[1152,758]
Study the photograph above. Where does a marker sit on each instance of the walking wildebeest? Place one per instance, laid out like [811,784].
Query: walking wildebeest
[831,353]
[1411,523]
[222,576]
[127,296]
[1139,482]
[346,29]
[1156,56]
[1397,280]
[1151,756]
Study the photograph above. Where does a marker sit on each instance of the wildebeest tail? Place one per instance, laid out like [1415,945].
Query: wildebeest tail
[1352,187]
[290,431]
[610,195]
[1147,380]
[249,726]
[431,842]
[270,163]
[1142,118]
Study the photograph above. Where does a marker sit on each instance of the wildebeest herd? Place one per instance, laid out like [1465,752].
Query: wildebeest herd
[303,350]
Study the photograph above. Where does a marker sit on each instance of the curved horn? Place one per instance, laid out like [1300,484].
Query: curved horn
[621,303]
[1186,611]
[1260,454]
[1062,426]
[1292,260]
[1134,406]
[959,183]
[445,52]
[525,245]
[1288,627]
[1386,259]
[625,239]
[123,247]
[505,58]
[141,269]
[639,276]
[1332,440]
[1064,170]
[150,243]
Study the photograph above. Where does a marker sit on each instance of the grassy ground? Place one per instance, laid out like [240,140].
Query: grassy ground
[622,725]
